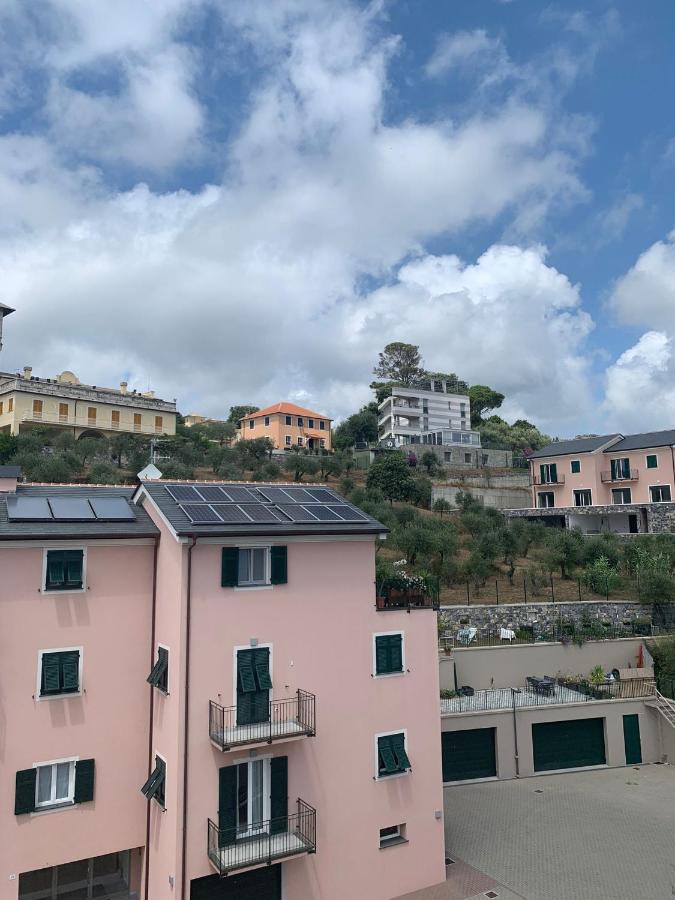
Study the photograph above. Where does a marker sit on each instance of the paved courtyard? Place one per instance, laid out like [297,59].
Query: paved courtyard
[601,835]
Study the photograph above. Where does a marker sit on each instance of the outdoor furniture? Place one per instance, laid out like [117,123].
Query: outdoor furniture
[507,634]
[544,686]
[466,691]
[467,635]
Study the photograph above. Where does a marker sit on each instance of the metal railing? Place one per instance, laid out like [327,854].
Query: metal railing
[389,596]
[86,422]
[633,475]
[566,633]
[538,480]
[286,718]
[271,840]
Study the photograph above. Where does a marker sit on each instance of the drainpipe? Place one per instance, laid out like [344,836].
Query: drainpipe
[151,732]
[515,691]
[193,538]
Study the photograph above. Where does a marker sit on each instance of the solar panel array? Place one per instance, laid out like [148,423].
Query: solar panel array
[66,508]
[237,505]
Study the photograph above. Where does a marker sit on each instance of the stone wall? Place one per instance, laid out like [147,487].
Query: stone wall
[651,517]
[542,616]
[501,490]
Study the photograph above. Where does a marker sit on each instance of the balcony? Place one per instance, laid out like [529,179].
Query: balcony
[290,718]
[85,422]
[393,594]
[540,482]
[275,839]
[614,477]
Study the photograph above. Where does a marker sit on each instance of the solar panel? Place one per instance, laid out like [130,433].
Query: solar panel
[276,495]
[239,494]
[112,508]
[323,496]
[260,513]
[73,509]
[299,495]
[184,492]
[231,514]
[298,513]
[200,514]
[324,513]
[28,508]
[211,493]
[348,513]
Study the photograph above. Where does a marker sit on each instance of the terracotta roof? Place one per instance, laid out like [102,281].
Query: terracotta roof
[313,433]
[287,409]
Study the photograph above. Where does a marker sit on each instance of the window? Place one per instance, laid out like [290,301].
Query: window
[301,441]
[467,457]
[10,405]
[322,425]
[91,415]
[289,440]
[388,653]
[251,564]
[55,784]
[447,455]
[310,423]
[37,409]
[59,672]
[548,473]
[620,468]
[545,500]
[137,421]
[115,418]
[394,834]
[660,493]
[288,420]
[582,498]
[575,467]
[64,570]
[392,758]
[154,787]
[652,461]
[621,495]
[159,677]
[2,407]
[322,443]
[300,421]
[254,684]
[63,412]
[251,423]
[267,421]
[159,425]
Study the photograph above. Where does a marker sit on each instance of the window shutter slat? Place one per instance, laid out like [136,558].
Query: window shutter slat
[396,653]
[245,712]
[245,672]
[387,761]
[73,564]
[229,567]
[227,805]
[70,672]
[51,675]
[279,794]
[56,571]
[398,746]
[153,677]
[381,655]
[261,661]
[279,565]
[84,781]
[24,797]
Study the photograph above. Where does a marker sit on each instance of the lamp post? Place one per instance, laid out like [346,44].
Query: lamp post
[4,311]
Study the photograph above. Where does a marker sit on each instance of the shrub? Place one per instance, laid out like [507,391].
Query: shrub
[601,577]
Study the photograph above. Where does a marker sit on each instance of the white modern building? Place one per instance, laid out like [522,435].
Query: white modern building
[417,415]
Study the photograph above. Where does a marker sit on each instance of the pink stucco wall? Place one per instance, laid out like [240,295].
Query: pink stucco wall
[109,722]
[7,484]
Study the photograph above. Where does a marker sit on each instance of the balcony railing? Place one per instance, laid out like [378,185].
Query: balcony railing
[538,480]
[86,422]
[273,839]
[392,595]
[633,475]
[292,717]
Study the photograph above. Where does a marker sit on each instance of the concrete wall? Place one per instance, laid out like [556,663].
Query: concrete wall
[498,490]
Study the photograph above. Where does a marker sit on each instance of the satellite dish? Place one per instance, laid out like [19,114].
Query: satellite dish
[390,443]
[149,473]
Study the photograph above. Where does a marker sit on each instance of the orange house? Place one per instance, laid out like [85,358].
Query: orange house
[287,425]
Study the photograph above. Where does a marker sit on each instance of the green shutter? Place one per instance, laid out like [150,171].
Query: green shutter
[70,672]
[24,797]
[229,575]
[652,462]
[246,679]
[625,468]
[158,677]
[388,654]
[84,781]
[260,706]
[51,674]
[631,739]
[381,655]
[245,712]
[279,794]
[73,567]
[613,469]
[553,473]
[56,569]
[261,662]
[542,474]
[154,786]
[396,653]
[227,805]
[575,467]
[398,746]
[279,565]
[386,760]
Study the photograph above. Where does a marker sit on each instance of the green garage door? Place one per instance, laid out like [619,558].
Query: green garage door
[468,754]
[568,745]
[258,884]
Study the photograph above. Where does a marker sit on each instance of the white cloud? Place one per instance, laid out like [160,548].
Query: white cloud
[640,385]
[463,49]
[645,295]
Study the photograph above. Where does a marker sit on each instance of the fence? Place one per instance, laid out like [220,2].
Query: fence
[547,589]
[567,632]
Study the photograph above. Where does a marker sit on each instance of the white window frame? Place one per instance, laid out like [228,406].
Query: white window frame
[257,585]
[393,839]
[251,424]
[651,499]
[378,777]
[70,694]
[289,420]
[539,494]
[55,804]
[322,443]
[45,551]
[656,456]
[378,634]
[579,491]
[572,461]
[301,442]
[235,650]
[623,502]
[322,425]
[289,440]
[267,421]
[301,421]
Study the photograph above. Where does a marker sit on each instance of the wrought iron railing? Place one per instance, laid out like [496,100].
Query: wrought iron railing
[631,475]
[392,595]
[557,479]
[271,840]
[286,718]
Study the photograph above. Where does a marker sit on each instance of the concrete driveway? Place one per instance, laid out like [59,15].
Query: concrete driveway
[595,835]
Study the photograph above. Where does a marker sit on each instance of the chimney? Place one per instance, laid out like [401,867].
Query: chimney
[9,478]
[27,372]
[123,387]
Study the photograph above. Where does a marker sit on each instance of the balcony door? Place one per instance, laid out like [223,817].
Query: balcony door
[253,794]
[253,686]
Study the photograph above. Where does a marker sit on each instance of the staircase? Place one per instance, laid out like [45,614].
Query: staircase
[665,706]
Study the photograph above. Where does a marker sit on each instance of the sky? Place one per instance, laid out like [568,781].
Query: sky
[243,202]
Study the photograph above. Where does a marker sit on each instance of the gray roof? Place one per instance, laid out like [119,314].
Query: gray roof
[141,526]
[578,445]
[10,471]
[644,441]
[172,510]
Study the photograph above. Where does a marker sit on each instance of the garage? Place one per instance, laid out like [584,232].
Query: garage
[469,754]
[568,745]
[259,884]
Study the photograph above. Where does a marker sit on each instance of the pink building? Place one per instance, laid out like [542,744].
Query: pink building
[288,744]
[624,484]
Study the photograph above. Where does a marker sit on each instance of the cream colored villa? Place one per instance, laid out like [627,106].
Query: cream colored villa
[287,425]
[87,410]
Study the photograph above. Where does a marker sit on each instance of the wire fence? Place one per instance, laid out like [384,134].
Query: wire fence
[566,632]
[538,587]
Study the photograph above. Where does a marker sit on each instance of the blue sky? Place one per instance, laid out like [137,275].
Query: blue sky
[243,202]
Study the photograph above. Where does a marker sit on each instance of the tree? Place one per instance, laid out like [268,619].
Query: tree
[441,506]
[299,464]
[8,447]
[414,540]
[483,399]
[361,426]
[421,492]
[430,462]
[564,548]
[329,465]
[238,412]
[103,473]
[400,363]
[216,431]
[251,452]
[391,474]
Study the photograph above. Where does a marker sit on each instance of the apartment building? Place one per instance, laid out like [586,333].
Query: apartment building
[436,416]
[203,699]
[66,404]
[287,425]
[612,482]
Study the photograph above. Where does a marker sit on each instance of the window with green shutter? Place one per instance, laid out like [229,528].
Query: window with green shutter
[64,570]
[154,787]
[60,673]
[575,467]
[388,654]
[652,461]
[392,757]
[253,685]
[159,676]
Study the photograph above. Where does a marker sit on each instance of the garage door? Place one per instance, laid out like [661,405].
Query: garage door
[568,745]
[260,884]
[468,754]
